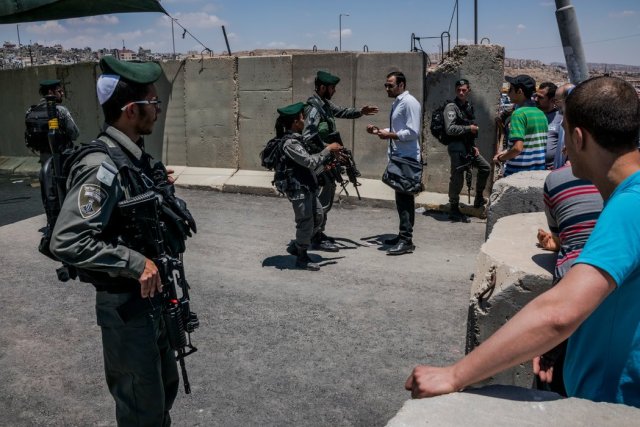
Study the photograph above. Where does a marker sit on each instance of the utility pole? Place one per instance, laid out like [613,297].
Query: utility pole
[571,41]
[475,21]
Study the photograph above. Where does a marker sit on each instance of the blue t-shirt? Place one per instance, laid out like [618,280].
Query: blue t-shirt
[603,356]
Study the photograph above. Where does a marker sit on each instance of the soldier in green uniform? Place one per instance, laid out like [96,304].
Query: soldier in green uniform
[140,366]
[320,115]
[301,183]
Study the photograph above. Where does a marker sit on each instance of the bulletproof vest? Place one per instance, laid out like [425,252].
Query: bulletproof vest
[466,117]
[327,123]
[297,176]
[37,130]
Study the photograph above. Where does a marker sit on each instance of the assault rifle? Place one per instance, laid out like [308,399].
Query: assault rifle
[345,161]
[180,321]
[468,159]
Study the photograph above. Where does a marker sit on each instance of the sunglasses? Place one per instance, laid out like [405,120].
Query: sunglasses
[155,102]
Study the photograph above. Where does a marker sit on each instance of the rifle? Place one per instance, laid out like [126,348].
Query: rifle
[347,162]
[468,158]
[180,321]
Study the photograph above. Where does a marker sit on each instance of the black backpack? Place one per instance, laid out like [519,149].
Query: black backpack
[437,124]
[36,123]
[272,153]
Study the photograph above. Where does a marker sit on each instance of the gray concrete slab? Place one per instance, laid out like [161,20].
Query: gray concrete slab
[511,406]
[277,346]
[29,166]
[171,90]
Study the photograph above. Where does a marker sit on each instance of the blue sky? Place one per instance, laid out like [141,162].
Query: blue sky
[610,29]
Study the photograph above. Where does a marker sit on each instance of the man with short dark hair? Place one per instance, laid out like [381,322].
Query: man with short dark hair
[545,99]
[597,303]
[461,133]
[560,156]
[97,237]
[527,130]
[320,129]
[404,142]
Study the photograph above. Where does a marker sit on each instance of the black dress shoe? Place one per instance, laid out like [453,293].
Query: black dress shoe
[392,241]
[324,245]
[292,249]
[304,262]
[324,237]
[403,247]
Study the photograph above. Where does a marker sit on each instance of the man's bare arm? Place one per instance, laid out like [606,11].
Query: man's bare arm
[538,327]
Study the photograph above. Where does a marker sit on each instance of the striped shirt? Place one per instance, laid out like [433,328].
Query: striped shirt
[529,125]
[572,207]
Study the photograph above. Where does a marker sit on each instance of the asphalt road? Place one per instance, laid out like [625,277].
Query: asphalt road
[276,346]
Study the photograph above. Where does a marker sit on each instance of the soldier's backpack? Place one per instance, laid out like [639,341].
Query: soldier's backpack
[37,128]
[437,124]
[271,154]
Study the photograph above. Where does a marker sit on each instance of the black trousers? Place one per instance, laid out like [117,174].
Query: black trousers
[406,206]
[458,154]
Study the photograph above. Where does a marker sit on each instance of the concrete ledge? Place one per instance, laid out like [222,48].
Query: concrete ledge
[373,191]
[510,271]
[511,406]
[27,165]
[518,193]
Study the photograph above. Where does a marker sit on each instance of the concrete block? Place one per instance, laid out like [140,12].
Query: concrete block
[483,66]
[10,164]
[341,64]
[518,193]
[171,125]
[510,406]
[264,84]
[210,105]
[372,69]
[510,271]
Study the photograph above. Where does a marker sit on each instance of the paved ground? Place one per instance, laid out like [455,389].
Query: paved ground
[277,346]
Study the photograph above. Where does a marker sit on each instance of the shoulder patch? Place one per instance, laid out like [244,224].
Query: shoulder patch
[451,114]
[91,198]
[106,173]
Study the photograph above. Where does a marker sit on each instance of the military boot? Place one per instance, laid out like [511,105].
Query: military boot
[319,244]
[455,215]
[304,262]
[479,202]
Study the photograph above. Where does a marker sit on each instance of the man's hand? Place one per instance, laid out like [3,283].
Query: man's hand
[543,368]
[496,158]
[369,110]
[474,129]
[547,241]
[170,178]
[334,147]
[429,381]
[385,134]
[149,280]
[476,152]
[373,129]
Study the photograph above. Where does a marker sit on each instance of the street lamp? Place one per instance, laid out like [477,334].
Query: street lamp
[340,29]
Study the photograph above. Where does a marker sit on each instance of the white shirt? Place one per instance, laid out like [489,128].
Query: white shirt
[406,116]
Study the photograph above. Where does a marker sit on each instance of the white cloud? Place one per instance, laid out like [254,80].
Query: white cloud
[281,45]
[192,21]
[623,14]
[49,27]
[346,33]
[95,20]
[520,28]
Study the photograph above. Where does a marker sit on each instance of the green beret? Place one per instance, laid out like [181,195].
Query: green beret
[291,110]
[137,72]
[50,82]
[462,82]
[327,78]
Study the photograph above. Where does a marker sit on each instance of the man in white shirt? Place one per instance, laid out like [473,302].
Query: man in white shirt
[404,141]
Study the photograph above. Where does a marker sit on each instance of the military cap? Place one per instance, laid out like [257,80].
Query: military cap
[522,80]
[291,110]
[327,78]
[50,82]
[461,82]
[137,72]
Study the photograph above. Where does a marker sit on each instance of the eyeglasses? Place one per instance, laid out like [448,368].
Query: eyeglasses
[389,86]
[155,102]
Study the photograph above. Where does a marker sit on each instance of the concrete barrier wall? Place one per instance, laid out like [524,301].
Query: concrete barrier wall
[219,112]
[483,66]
